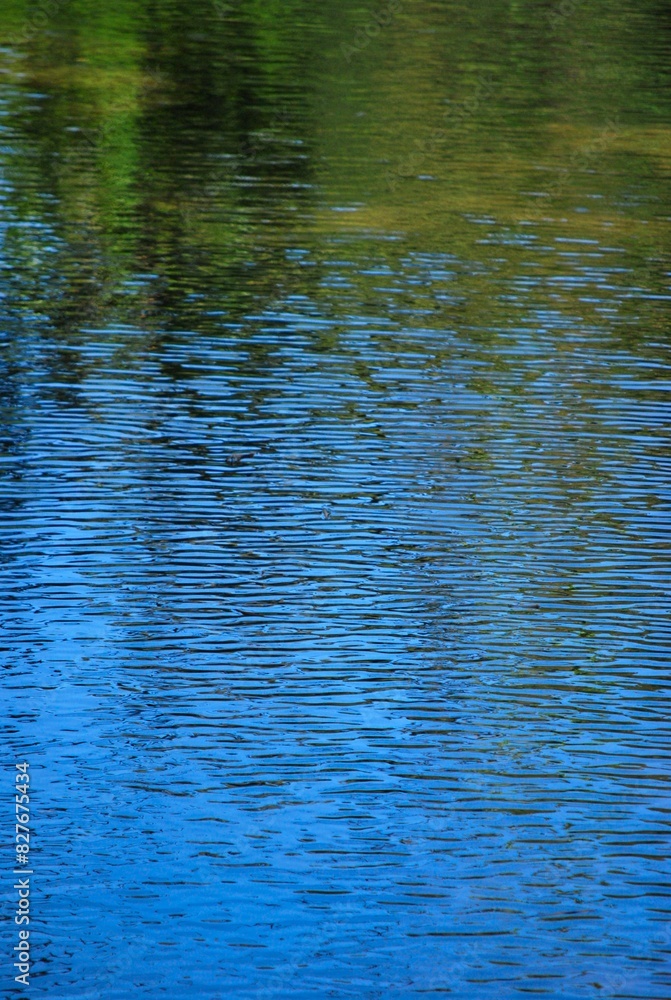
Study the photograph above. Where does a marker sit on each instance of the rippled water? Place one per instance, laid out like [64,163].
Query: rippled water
[335,492]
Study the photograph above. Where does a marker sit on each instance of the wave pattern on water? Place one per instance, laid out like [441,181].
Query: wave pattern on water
[334,561]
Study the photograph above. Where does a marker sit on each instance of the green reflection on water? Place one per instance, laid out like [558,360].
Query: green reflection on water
[192,144]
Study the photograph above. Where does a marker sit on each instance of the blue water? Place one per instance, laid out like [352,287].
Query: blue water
[334,576]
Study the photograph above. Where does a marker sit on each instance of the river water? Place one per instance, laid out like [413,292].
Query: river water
[334,479]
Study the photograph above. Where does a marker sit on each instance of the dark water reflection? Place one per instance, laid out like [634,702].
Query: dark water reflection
[335,493]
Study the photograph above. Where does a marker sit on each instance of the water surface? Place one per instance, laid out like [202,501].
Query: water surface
[335,496]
